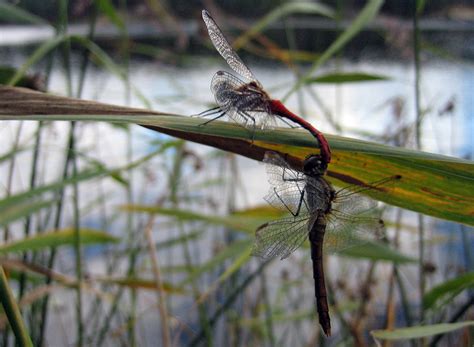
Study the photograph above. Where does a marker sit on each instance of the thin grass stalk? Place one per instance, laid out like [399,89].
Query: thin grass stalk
[295,304]
[107,319]
[391,299]
[85,53]
[175,179]
[27,229]
[233,280]
[418,124]
[57,219]
[6,234]
[324,109]
[456,316]
[11,169]
[345,330]
[66,52]
[65,47]
[132,340]
[101,331]
[361,315]
[202,313]
[52,257]
[467,250]
[161,295]
[404,298]
[338,62]
[84,65]
[292,46]
[13,312]
[390,308]
[230,300]
[77,245]
[132,260]
[268,310]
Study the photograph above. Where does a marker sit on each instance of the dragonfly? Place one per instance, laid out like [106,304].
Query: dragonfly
[247,103]
[316,208]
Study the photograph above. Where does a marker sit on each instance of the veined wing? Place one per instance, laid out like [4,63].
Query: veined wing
[225,49]
[354,205]
[281,237]
[353,220]
[287,186]
[239,102]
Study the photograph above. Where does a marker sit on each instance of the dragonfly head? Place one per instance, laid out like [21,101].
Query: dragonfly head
[314,166]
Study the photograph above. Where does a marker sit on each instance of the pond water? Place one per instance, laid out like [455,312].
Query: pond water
[364,110]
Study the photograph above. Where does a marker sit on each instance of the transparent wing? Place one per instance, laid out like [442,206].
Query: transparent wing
[281,237]
[354,204]
[239,102]
[354,220]
[225,49]
[287,186]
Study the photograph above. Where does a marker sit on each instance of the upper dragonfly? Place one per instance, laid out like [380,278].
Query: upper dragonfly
[247,103]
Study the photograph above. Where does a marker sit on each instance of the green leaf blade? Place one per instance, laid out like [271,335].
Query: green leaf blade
[448,290]
[347,77]
[419,331]
[57,238]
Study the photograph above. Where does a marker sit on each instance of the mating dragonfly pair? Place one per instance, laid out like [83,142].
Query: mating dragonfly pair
[314,205]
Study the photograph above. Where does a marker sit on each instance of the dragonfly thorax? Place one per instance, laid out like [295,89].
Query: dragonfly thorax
[319,194]
[248,97]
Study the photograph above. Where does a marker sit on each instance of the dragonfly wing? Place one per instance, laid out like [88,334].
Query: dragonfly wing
[287,186]
[238,102]
[225,88]
[353,221]
[354,204]
[280,237]
[225,49]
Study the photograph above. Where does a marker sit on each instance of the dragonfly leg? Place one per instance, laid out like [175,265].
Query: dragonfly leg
[298,210]
[209,112]
[213,119]
[292,126]
[247,116]
[302,200]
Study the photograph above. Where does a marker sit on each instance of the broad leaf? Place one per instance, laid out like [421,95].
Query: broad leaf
[433,184]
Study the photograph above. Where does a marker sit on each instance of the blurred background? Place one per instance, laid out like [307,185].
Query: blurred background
[405,79]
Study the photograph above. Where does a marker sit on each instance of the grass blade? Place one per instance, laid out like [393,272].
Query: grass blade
[432,184]
[346,77]
[57,238]
[365,16]
[419,331]
[279,13]
[14,14]
[13,312]
[448,290]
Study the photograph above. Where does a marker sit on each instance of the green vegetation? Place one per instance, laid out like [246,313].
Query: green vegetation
[118,245]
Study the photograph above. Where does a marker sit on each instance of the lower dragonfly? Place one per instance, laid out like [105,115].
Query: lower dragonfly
[315,208]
